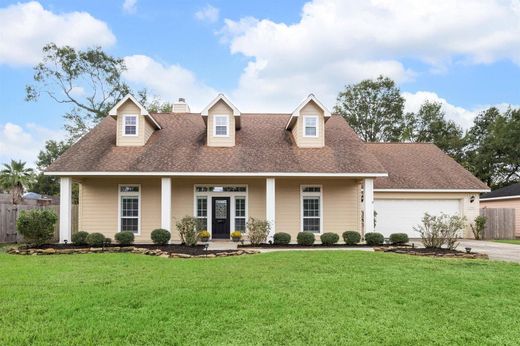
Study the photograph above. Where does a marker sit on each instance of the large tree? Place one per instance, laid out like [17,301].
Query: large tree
[90,81]
[374,109]
[45,184]
[15,177]
[429,124]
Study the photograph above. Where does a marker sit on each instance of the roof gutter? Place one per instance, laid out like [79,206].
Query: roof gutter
[221,174]
[433,190]
[499,198]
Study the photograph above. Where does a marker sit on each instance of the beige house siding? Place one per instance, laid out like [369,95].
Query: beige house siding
[468,209]
[341,210]
[145,129]
[506,203]
[220,108]
[310,142]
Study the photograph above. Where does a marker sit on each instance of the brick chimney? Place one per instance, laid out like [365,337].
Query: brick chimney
[181,106]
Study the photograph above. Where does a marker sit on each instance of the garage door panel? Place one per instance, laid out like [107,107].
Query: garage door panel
[402,215]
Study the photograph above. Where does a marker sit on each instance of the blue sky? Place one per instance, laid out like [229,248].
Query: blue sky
[266,55]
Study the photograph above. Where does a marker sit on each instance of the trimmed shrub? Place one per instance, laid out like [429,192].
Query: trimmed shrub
[36,225]
[351,237]
[188,230]
[258,230]
[329,238]
[399,238]
[125,237]
[160,236]
[305,238]
[108,241]
[95,239]
[80,238]
[374,238]
[281,238]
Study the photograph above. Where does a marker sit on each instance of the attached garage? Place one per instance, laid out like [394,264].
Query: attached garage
[402,215]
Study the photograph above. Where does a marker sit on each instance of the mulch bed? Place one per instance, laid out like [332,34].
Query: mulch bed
[432,252]
[296,246]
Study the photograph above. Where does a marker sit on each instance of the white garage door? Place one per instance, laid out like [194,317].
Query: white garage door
[401,216]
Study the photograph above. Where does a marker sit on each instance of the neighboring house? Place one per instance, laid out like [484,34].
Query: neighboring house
[302,171]
[506,197]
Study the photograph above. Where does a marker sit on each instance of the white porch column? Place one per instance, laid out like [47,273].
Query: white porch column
[368,204]
[65,209]
[270,205]
[166,203]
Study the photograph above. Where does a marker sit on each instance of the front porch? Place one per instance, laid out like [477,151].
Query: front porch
[109,204]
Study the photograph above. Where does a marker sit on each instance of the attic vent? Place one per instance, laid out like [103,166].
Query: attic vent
[181,106]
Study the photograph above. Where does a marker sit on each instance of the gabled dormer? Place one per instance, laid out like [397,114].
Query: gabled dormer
[134,124]
[222,120]
[307,123]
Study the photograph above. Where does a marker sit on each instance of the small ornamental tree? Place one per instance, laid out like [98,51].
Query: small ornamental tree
[187,228]
[36,225]
[477,227]
[258,230]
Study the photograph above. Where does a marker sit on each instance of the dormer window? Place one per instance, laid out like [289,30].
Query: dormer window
[221,128]
[311,126]
[130,125]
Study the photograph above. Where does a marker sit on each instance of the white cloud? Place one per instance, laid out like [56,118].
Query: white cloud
[337,42]
[130,6]
[169,82]
[26,27]
[24,142]
[208,14]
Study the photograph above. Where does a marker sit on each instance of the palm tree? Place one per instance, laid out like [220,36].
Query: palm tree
[15,177]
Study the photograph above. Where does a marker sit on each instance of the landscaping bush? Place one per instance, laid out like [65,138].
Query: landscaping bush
[36,225]
[108,241]
[399,238]
[80,238]
[187,228]
[95,239]
[329,238]
[258,230]
[374,238]
[160,236]
[125,237]
[281,238]
[351,237]
[478,226]
[305,238]
[444,229]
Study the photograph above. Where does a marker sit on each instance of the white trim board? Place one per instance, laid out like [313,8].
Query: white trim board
[226,174]
[499,198]
[433,190]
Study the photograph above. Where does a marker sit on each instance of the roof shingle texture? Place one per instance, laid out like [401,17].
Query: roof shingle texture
[511,190]
[420,166]
[262,145]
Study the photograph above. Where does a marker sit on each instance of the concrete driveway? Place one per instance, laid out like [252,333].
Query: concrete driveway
[495,251]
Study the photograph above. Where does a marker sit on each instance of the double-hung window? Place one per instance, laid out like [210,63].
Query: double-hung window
[240,213]
[130,125]
[221,128]
[310,123]
[129,208]
[202,212]
[311,208]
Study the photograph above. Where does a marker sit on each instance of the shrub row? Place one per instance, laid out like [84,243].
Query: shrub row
[349,237]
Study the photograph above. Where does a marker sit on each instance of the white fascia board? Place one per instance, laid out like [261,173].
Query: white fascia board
[296,112]
[220,97]
[142,110]
[221,174]
[499,198]
[433,190]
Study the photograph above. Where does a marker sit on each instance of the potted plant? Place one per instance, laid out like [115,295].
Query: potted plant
[236,236]
[204,236]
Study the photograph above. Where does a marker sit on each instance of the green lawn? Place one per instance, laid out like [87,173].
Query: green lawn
[332,297]
[513,241]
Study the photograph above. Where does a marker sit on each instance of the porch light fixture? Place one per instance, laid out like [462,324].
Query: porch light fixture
[472,199]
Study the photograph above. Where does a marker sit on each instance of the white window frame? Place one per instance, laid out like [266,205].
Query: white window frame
[136,125]
[311,194]
[223,116]
[235,217]
[119,211]
[211,194]
[317,119]
[195,211]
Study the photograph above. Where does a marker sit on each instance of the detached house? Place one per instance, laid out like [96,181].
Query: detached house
[303,171]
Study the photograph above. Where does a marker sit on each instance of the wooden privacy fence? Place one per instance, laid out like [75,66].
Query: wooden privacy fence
[9,213]
[500,223]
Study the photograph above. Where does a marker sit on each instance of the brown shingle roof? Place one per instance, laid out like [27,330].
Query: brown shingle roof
[420,166]
[262,145]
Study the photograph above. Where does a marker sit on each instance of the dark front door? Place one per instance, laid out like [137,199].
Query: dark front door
[220,222]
